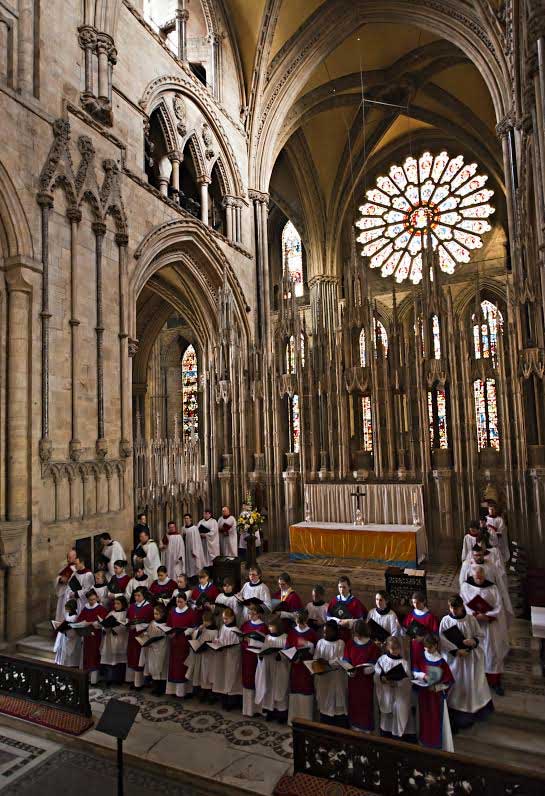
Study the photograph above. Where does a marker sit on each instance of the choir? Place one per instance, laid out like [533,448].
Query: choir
[417,679]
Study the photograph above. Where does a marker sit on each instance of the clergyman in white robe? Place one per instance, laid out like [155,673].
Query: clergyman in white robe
[113,552]
[173,551]
[152,559]
[496,634]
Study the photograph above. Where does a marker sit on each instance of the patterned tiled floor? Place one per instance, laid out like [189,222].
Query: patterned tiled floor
[20,753]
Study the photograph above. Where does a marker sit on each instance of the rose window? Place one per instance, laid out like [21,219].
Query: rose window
[436,196]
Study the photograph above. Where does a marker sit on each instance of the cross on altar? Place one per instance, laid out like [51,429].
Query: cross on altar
[358,515]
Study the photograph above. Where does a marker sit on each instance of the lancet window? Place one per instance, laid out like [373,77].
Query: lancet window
[294,424]
[437,417]
[485,338]
[382,336]
[291,354]
[292,256]
[190,395]
[486,414]
[367,424]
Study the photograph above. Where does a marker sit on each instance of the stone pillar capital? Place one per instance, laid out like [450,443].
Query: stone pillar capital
[87,37]
[176,155]
[122,239]
[258,197]
[182,14]
[99,228]
[16,279]
[505,125]
[74,214]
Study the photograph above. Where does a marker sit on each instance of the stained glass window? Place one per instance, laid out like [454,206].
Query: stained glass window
[437,193]
[382,336]
[437,417]
[290,354]
[292,256]
[295,424]
[363,349]
[190,399]
[486,414]
[436,334]
[486,344]
[367,424]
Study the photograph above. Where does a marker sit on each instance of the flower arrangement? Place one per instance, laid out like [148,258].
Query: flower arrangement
[250,519]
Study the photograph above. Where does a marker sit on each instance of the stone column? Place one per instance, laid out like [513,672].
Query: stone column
[101,446]
[14,539]
[291,492]
[74,216]
[237,222]
[182,17]
[17,394]
[46,203]
[204,183]
[175,158]
[25,41]
[125,449]
[443,485]
[228,205]
[104,45]
[88,41]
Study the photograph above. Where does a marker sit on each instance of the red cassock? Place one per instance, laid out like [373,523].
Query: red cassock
[427,620]
[120,583]
[211,593]
[91,644]
[293,603]
[140,614]
[431,705]
[249,659]
[165,589]
[179,644]
[300,677]
[356,609]
[360,686]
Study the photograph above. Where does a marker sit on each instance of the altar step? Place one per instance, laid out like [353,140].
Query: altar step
[37,647]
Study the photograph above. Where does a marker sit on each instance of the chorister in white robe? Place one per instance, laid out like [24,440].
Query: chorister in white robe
[68,646]
[103,594]
[388,621]
[137,583]
[194,551]
[496,633]
[258,591]
[227,664]
[113,649]
[331,688]
[210,541]
[499,526]
[113,552]
[468,543]
[470,692]
[228,541]
[174,550]
[154,657]
[393,699]
[494,575]
[317,614]
[227,601]
[201,665]
[152,561]
[272,677]
[87,581]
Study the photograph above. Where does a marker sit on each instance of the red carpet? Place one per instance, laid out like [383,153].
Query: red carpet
[305,785]
[51,717]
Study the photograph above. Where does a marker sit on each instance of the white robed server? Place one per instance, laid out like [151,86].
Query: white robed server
[209,537]
[331,688]
[227,527]
[68,645]
[152,558]
[194,550]
[494,629]
[173,553]
[393,698]
[272,677]
[470,693]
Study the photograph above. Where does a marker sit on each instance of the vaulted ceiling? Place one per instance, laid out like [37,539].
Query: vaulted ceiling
[386,91]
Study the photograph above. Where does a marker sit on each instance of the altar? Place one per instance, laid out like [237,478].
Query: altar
[390,544]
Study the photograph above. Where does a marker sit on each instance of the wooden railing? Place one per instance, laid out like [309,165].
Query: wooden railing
[390,768]
[45,683]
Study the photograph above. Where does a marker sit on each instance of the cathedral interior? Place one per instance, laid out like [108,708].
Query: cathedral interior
[268,251]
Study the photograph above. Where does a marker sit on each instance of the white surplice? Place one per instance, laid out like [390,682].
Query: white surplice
[133,584]
[499,526]
[259,592]
[174,550]
[152,561]
[113,552]
[194,551]
[154,657]
[113,649]
[494,575]
[62,593]
[470,691]
[393,699]
[227,664]
[201,665]
[496,633]
[68,646]
[228,542]
[210,541]
[272,677]
[388,621]
[331,688]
